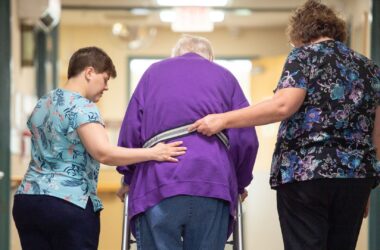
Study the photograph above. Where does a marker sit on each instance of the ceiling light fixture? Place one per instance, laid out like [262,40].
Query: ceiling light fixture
[167,16]
[192,19]
[140,11]
[216,16]
[242,12]
[188,3]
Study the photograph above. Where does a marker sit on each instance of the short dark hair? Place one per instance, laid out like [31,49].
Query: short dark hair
[90,57]
[313,20]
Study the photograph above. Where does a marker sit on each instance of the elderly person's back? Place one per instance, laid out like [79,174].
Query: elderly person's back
[324,164]
[196,197]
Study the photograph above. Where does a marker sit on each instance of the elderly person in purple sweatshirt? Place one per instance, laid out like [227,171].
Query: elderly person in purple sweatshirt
[189,204]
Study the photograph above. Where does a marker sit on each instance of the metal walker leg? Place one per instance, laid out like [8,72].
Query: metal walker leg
[126,237]
[237,234]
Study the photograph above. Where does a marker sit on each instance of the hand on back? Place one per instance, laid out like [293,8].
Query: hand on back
[208,125]
[169,151]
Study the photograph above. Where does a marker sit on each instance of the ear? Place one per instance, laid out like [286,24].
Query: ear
[88,73]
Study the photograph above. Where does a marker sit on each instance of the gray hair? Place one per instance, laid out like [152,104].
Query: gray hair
[196,44]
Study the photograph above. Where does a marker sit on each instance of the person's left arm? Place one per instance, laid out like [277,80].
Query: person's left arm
[281,106]
[376,133]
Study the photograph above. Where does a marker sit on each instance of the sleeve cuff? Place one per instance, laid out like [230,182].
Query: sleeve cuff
[126,179]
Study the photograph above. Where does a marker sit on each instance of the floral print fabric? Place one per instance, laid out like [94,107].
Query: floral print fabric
[60,165]
[330,136]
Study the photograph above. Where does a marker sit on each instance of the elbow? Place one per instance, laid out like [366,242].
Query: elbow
[284,111]
[106,160]
[102,157]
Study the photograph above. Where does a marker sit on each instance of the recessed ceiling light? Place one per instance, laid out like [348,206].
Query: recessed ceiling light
[243,12]
[192,2]
[216,16]
[140,11]
[167,16]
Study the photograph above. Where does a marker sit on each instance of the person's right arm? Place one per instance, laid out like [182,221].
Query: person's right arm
[376,133]
[95,140]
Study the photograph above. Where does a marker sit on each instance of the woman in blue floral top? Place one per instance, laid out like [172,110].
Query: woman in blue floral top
[325,161]
[56,206]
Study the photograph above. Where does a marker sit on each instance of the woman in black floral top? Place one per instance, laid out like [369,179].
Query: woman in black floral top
[325,163]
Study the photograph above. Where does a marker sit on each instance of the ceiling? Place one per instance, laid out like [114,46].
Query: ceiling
[258,13]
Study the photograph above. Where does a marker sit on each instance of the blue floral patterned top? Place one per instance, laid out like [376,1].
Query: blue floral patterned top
[330,135]
[60,165]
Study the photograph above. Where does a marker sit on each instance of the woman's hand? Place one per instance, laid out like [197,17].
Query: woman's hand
[168,152]
[244,195]
[209,125]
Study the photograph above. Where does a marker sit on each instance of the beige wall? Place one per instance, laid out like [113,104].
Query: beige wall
[358,15]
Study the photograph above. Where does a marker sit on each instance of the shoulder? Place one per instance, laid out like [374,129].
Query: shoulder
[298,55]
[73,103]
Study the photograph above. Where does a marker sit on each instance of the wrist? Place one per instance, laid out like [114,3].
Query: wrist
[152,156]
[225,120]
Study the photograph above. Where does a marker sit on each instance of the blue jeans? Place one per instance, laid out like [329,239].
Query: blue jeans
[184,222]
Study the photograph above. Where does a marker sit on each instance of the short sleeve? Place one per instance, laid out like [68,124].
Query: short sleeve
[295,73]
[84,111]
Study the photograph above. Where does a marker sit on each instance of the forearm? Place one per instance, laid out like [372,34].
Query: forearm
[376,142]
[265,112]
[116,156]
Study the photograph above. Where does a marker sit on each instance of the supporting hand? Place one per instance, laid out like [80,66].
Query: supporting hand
[124,189]
[209,125]
[244,195]
[169,151]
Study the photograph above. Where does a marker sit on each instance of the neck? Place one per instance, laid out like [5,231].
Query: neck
[75,85]
[321,39]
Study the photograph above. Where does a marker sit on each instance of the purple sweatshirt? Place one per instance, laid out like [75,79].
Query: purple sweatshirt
[175,92]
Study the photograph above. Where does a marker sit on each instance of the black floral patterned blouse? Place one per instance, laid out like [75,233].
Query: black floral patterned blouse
[330,136]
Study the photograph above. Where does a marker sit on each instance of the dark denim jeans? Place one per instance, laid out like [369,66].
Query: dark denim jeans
[184,222]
